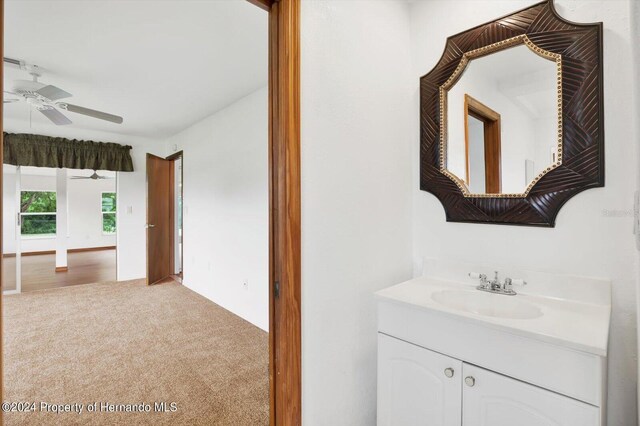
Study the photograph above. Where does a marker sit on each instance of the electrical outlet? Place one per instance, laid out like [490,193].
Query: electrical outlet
[245,284]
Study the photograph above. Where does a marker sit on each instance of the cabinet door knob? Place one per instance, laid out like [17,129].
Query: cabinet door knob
[469,381]
[449,372]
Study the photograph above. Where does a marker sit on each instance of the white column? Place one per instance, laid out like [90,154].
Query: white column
[61,220]
[18,230]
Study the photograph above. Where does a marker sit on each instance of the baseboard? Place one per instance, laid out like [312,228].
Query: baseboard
[62,268]
[76,250]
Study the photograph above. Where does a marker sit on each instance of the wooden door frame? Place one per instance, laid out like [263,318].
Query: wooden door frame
[284,210]
[173,157]
[491,122]
[285,342]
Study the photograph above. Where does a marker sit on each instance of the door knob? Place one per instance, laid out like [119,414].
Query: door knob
[449,372]
[469,381]
[150,225]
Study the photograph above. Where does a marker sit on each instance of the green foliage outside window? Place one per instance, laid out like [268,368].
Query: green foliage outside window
[109,212]
[38,212]
[38,202]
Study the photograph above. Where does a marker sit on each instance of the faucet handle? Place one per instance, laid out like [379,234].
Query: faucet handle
[509,283]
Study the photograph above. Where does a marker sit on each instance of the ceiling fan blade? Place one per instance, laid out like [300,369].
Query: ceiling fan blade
[55,116]
[8,101]
[53,93]
[80,177]
[91,112]
[12,61]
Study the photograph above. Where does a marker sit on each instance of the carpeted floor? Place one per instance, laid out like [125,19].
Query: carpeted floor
[128,343]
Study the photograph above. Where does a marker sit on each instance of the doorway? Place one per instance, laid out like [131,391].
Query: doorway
[284,208]
[164,218]
[59,229]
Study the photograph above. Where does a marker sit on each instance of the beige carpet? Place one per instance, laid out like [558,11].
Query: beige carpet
[127,343]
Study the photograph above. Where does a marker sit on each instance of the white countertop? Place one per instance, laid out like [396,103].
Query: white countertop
[578,325]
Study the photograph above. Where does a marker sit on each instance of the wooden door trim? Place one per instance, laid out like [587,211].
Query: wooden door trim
[285,341]
[492,142]
[263,4]
[173,157]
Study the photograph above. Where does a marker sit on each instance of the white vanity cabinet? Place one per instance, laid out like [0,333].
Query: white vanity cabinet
[417,386]
[497,400]
[450,355]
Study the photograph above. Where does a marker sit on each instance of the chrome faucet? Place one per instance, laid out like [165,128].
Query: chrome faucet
[495,286]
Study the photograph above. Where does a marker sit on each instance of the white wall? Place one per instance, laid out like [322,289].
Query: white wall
[131,189]
[593,231]
[635,93]
[226,207]
[356,195]
[85,213]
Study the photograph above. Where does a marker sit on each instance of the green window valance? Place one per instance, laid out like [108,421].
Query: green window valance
[21,149]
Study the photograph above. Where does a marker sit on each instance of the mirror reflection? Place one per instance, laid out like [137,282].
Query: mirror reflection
[502,121]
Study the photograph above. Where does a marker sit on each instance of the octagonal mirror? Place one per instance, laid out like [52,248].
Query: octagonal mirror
[512,118]
[503,122]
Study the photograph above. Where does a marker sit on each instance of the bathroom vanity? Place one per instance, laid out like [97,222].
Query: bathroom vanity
[450,354]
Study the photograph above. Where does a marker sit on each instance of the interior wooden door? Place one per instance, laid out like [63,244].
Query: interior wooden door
[159,218]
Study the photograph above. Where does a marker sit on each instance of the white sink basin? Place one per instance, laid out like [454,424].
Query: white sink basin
[482,303]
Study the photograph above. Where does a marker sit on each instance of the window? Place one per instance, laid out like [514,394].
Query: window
[38,212]
[108,212]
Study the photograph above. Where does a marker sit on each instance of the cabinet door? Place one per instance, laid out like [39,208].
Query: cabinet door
[491,399]
[413,387]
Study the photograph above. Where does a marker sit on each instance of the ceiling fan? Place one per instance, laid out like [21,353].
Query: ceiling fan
[46,98]
[94,176]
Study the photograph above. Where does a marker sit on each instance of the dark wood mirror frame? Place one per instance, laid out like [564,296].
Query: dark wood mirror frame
[582,167]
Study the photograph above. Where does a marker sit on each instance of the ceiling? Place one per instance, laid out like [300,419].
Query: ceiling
[523,76]
[161,64]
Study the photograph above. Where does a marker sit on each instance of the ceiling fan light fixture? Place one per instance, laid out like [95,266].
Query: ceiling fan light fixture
[44,98]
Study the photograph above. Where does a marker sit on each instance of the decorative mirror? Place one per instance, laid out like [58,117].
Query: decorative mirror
[512,122]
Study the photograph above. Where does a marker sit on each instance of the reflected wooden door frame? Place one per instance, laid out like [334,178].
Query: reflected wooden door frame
[284,210]
[491,122]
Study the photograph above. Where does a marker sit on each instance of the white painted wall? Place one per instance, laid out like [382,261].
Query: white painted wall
[593,231]
[62,218]
[85,212]
[226,207]
[635,93]
[131,189]
[356,195]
